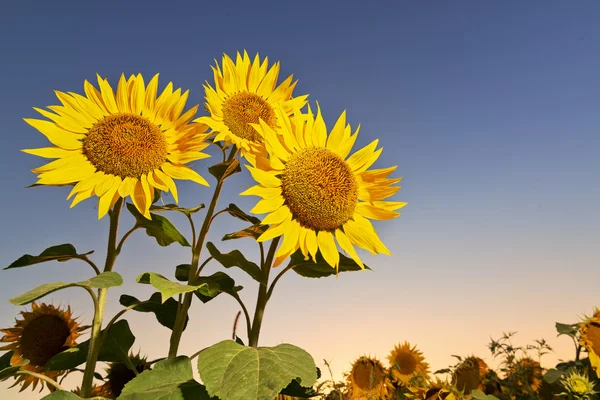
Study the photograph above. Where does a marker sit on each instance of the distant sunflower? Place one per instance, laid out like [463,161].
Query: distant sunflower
[435,390]
[119,374]
[368,380]
[589,331]
[245,92]
[113,145]
[314,195]
[97,391]
[526,374]
[43,332]
[407,363]
[470,375]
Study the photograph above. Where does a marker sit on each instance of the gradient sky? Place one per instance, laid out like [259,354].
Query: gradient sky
[489,109]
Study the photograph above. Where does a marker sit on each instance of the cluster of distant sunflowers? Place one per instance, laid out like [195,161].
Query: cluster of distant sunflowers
[519,376]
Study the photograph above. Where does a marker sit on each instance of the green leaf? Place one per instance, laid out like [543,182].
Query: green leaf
[7,370]
[159,228]
[168,288]
[182,272]
[62,253]
[164,312]
[170,379]
[321,269]
[219,282]
[567,329]
[238,213]
[253,231]
[553,375]
[295,389]
[175,207]
[115,348]
[236,259]
[234,372]
[5,360]
[479,395]
[223,170]
[104,280]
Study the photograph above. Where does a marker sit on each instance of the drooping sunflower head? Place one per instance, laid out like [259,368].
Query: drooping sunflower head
[244,93]
[119,374]
[368,380]
[589,331]
[406,363]
[314,194]
[526,375]
[115,145]
[43,332]
[578,385]
[470,375]
[435,390]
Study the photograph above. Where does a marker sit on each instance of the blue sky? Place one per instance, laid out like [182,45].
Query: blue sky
[489,109]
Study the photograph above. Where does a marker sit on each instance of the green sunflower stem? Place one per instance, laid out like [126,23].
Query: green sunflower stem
[96,337]
[187,300]
[263,295]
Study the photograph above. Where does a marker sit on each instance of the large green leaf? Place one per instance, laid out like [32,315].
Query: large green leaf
[182,272]
[234,372]
[5,360]
[479,395]
[170,379]
[320,269]
[62,253]
[238,213]
[164,312]
[225,169]
[104,280]
[175,207]
[236,259]
[115,348]
[158,227]
[553,375]
[169,288]
[295,389]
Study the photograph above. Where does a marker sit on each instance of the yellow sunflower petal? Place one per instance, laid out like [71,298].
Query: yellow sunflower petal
[183,172]
[328,248]
[55,135]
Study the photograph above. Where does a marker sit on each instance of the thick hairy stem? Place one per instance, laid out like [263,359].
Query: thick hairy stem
[263,296]
[187,300]
[95,340]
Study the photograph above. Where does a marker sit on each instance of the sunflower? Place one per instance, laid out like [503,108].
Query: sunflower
[245,92]
[435,390]
[526,375]
[314,195]
[589,331]
[97,391]
[578,386]
[368,380]
[114,145]
[470,375]
[119,374]
[407,363]
[43,332]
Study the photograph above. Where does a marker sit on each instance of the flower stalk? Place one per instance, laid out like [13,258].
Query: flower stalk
[96,337]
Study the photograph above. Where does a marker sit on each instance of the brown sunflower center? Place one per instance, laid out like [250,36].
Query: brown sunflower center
[246,108]
[367,376]
[319,188]
[406,363]
[43,338]
[125,145]
[593,337]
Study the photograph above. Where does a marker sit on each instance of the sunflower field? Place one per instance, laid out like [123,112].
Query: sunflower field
[316,197]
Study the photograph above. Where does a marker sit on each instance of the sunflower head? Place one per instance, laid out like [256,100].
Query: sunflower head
[314,194]
[118,144]
[435,390]
[470,375]
[97,391]
[526,375]
[578,386]
[43,332]
[368,380]
[589,331]
[407,363]
[244,93]
[119,374]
